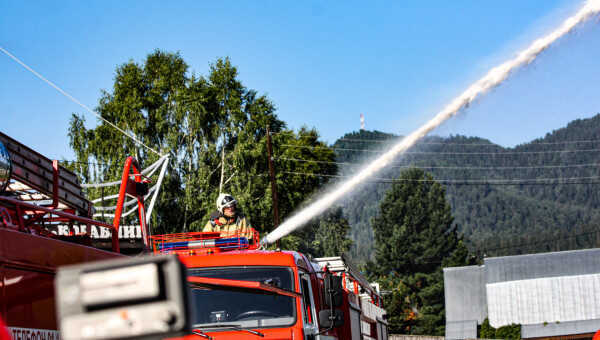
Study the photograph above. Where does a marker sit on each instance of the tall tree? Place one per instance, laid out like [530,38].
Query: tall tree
[194,119]
[296,181]
[331,237]
[415,237]
[324,236]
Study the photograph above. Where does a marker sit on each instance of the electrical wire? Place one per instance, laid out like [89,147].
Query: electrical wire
[397,138]
[548,241]
[447,167]
[76,101]
[465,144]
[530,181]
[450,153]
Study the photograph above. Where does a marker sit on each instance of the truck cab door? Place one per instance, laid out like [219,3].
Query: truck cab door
[309,313]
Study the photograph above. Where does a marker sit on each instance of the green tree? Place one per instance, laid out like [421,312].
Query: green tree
[331,237]
[324,236]
[414,238]
[296,181]
[146,101]
[194,119]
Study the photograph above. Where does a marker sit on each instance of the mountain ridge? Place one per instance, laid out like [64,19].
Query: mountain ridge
[502,197]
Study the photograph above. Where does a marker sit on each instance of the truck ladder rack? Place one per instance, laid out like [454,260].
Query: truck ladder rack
[340,264]
[39,179]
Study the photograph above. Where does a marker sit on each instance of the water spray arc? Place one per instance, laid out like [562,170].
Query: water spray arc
[492,79]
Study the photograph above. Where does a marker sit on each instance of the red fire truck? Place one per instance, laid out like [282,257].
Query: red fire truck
[238,290]
[242,292]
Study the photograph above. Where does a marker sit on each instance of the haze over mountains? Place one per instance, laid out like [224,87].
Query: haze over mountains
[535,197]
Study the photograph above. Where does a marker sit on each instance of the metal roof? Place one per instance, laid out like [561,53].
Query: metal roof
[532,266]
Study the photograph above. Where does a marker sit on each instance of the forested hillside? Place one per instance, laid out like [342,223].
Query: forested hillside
[538,196]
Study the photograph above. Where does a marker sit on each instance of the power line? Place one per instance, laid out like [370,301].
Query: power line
[530,181]
[75,100]
[538,242]
[398,138]
[451,153]
[447,167]
[466,144]
[314,161]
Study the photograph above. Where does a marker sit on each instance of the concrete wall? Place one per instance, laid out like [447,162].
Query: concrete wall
[465,301]
[549,299]
[465,294]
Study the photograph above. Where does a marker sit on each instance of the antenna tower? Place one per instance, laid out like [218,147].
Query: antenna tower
[362,121]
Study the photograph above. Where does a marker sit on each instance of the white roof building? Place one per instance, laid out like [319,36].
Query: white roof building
[549,294]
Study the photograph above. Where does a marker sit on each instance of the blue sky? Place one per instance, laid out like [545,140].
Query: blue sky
[321,62]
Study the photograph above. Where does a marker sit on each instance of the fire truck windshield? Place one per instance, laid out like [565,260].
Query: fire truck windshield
[247,308]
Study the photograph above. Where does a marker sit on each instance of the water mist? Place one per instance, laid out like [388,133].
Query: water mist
[493,78]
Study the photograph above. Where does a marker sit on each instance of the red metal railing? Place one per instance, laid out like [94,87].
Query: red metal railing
[129,187]
[26,216]
[199,243]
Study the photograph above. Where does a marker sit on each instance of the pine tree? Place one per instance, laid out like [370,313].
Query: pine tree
[331,238]
[326,235]
[414,238]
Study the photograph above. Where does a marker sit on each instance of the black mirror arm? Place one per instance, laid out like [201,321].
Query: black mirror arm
[325,330]
[331,293]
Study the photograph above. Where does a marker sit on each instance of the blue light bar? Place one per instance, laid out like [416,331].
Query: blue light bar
[222,243]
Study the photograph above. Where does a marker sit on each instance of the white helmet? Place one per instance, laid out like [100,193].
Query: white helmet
[224,201]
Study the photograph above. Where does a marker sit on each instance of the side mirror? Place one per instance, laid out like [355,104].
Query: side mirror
[334,292]
[327,319]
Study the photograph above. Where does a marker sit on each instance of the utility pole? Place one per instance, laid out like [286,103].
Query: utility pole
[224,108]
[222,166]
[273,184]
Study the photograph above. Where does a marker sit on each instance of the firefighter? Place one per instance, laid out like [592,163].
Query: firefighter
[227,219]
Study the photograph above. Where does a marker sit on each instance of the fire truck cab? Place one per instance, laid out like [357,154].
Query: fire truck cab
[241,292]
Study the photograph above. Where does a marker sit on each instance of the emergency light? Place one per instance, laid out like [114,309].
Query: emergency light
[221,243]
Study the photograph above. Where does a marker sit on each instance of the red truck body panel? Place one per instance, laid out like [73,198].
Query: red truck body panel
[28,264]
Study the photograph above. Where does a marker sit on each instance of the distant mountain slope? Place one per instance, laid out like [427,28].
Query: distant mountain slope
[557,197]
